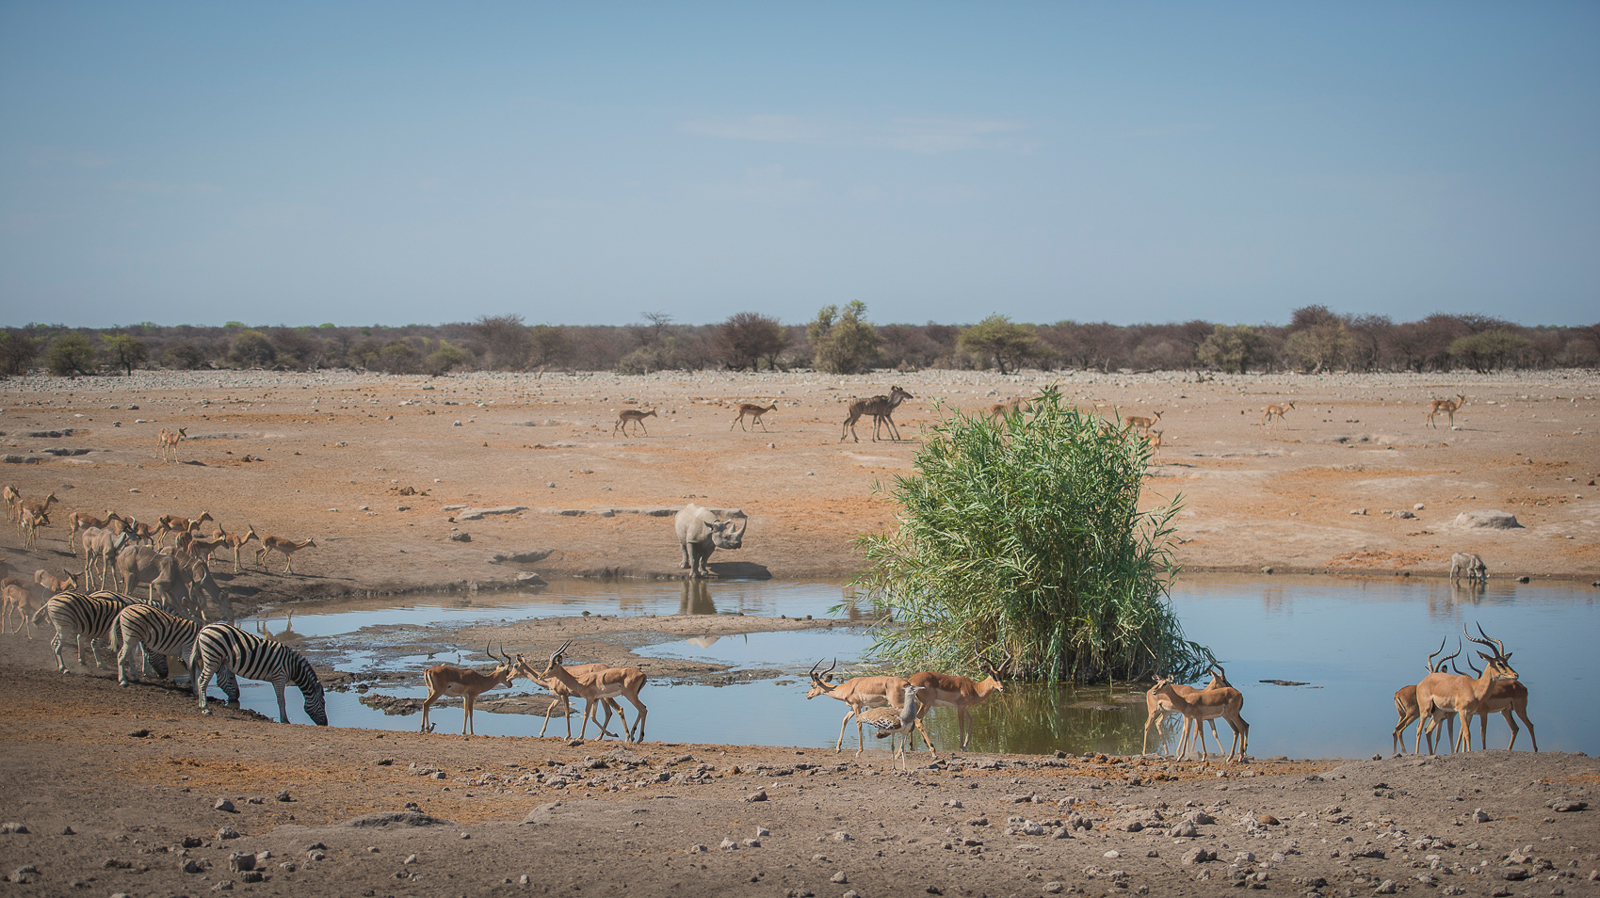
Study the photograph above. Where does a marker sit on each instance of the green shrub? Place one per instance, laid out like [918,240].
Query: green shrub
[1022,550]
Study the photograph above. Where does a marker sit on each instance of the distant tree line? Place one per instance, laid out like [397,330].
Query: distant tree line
[839,340]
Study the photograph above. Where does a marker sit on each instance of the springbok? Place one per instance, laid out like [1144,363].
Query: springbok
[881,408]
[443,680]
[755,412]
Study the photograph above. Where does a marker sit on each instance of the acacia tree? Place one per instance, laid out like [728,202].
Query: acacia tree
[1022,550]
[126,351]
[842,342]
[746,338]
[1233,348]
[72,354]
[506,342]
[17,352]
[1009,345]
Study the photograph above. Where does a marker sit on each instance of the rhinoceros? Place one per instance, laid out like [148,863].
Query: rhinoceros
[700,533]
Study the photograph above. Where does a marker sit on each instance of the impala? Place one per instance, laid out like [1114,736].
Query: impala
[467,685]
[1440,693]
[559,689]
[284,547]
[1448,406]
[755,412]
[594,687]
[952,691]
[167,443]
[632,416]
[1157,707]
[1208,704]
[1275,413]
[1142,423]
[861,693]
[1405,703]
[1505,696]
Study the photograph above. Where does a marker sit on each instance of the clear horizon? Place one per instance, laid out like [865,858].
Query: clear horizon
[371,164]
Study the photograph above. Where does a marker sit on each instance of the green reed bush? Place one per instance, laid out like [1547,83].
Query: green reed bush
[1021,549]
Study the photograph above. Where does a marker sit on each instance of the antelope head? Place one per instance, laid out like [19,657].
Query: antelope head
[1500,662]
[555,657]
[819,681]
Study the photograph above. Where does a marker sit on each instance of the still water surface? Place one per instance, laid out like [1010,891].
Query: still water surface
[1352,641]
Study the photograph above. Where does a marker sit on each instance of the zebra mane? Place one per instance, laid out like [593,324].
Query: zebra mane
[300,672]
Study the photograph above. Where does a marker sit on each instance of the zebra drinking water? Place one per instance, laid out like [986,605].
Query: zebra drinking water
[160,633]
[222,646]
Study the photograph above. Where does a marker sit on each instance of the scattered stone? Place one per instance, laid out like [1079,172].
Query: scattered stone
[1053,888]
[24,874]
[190,865]
[698,849]
[1567,804]
[1491,520]
[284,796]
[1480,816]
[1184,830]
[728,845]
[752,843]
[839,878]
[1198,856]
[760,795]
[842,836]
[223,804]
[1267,820]
[227,832]
[239,863]
[1388,888]
[1113,854]
[17,828]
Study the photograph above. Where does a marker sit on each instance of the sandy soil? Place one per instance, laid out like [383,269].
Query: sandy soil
[384,473]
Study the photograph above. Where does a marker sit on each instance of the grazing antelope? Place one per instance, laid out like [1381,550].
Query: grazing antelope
[1448,406]
[16,597]
[755,412]
[53,584]
[1440,694]
[1142,423]
[1405,703]
[33,518]
[1275,413]
[632,416]
[284,547]
[1154,439]
[200,547]
[594,687]
[889,723]
[861,693]
[1207,704]
[1473,566]
[952,691]
[881,408]
[167,443]
[443,680]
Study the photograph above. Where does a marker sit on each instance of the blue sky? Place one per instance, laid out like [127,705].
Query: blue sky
[586,163]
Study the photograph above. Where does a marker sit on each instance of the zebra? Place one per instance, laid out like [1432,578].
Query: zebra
[81,616]
[160,633]
[219,646]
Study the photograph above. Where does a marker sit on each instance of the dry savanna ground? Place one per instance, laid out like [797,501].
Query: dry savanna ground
[416,483]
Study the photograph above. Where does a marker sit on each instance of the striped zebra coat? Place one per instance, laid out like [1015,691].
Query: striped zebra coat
[160,633]
[219,646]
[86,618]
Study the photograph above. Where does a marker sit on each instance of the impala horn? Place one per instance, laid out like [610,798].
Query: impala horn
[557,653]
[1498,644]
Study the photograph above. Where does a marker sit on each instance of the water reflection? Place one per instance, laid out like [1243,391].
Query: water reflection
[1353,641]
